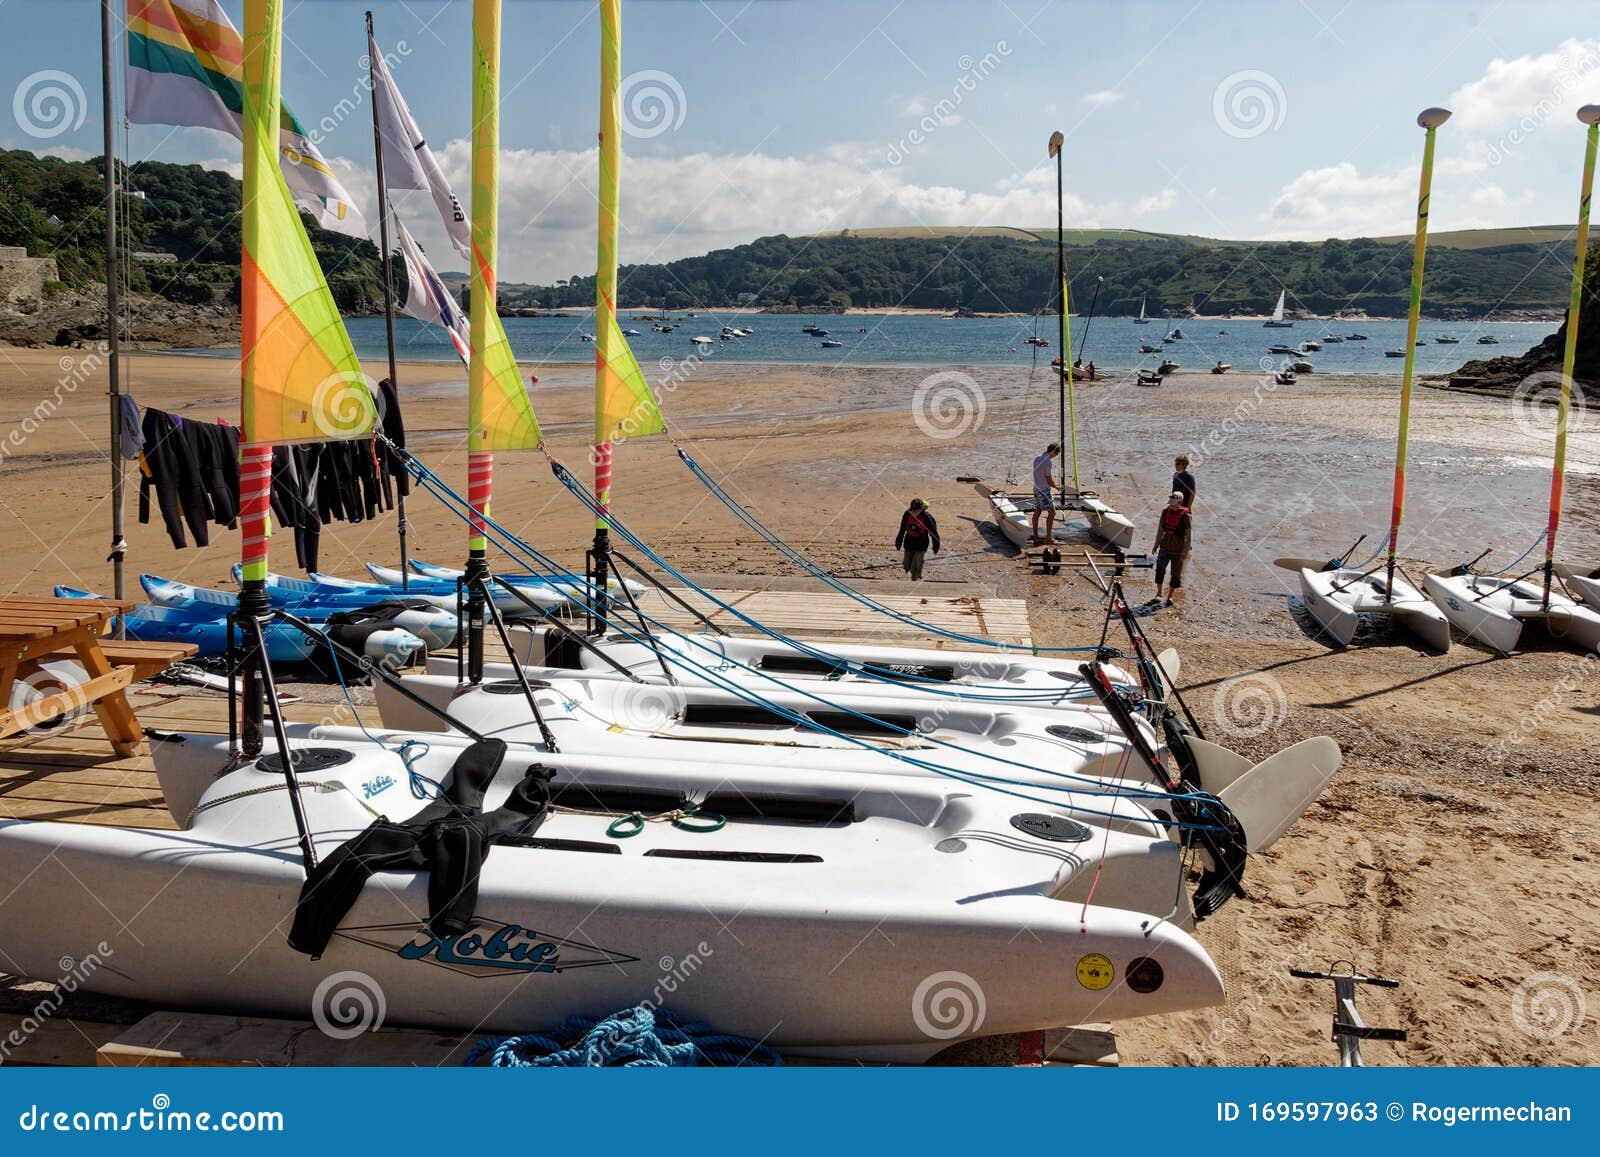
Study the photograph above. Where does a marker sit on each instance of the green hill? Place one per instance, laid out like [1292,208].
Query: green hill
[54,208]
[1477,273]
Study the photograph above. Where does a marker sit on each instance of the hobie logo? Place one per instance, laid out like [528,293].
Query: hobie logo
[509,946]
[377,786]
[488,948]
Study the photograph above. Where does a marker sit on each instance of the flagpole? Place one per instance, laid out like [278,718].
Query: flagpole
[1430,119]
[1589,114]
[119,545]
[1065,398]
[388,282]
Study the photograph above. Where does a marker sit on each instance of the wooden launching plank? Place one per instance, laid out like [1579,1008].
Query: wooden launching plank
[188,1039]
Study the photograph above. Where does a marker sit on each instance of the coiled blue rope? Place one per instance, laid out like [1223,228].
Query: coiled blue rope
[637,1037]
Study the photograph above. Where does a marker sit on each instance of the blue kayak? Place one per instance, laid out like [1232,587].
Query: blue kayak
[432,624]
[200,626]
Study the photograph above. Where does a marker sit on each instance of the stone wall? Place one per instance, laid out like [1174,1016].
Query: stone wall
[22,277]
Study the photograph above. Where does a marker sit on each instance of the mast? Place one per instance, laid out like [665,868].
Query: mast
[388,284]
[605,279]
[1430,119]
[1066,405]
[485,222]
[1589,114]
[119,545]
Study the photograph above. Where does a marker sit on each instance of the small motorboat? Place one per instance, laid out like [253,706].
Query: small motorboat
[1282,349]
[1147,348]
[1284,377]
[1038,341]
[1331,339]
[1444,340]
[1221,368]
[1167,367]
[1488,339]
[832,343]
[630,333]
[1310,345]
[819,333]
[587,336]
[1394,353]
[1355,337]
[1146,378]
[1175,335]
[700,341]
[808,329]
[1301,366]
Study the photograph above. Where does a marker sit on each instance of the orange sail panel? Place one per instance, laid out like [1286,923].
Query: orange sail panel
[301,379]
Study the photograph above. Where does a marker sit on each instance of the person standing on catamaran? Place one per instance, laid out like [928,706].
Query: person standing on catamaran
[1172,545]
[918,532]
[1044,483]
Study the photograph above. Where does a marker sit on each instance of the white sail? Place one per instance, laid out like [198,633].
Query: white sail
[1277,310]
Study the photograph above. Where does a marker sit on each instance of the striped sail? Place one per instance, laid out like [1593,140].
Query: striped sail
[624,407]
[499,415]
[184,68]
[301,380]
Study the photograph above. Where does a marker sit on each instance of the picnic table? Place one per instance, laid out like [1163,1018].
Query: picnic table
[36,630]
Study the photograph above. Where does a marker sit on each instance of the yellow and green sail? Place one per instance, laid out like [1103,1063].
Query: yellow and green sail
[624,407]
[499,415]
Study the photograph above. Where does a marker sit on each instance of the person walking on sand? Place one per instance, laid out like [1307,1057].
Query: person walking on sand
[1172,546]
[1043,483]
[918,531]
[1182,480]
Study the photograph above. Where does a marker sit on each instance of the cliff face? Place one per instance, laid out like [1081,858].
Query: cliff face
[1503,373]
[66,318]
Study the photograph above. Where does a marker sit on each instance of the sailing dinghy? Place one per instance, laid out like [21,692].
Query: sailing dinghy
[1493,609]
[1336,594]
[1582,581]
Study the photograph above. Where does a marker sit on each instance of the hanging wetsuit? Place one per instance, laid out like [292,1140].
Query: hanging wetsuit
[170,468]
[449,839]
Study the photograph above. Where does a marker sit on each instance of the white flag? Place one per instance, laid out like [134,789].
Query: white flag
[426,297]
[408,162]
[184,69]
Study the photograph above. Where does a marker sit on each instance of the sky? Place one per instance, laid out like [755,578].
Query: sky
[1224,118]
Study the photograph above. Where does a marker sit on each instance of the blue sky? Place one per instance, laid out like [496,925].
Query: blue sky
[1223,118]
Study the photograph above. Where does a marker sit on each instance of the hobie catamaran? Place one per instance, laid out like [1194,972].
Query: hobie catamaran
[1014,512]
[1493,609]
[1335,593]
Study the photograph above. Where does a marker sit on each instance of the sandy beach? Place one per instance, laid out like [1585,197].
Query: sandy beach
[1457,850]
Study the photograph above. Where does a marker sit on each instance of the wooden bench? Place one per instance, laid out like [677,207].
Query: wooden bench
[36,630]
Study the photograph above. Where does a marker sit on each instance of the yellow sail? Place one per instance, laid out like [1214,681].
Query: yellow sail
[301,379]
[624,407]
[499,415]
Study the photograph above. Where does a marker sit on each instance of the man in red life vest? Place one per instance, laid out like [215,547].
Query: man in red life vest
[1172,545]
[918,531]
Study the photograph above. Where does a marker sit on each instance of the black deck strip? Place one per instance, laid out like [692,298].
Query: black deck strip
[805,809]
[852,724]
[598,797]
[551,844]
[735,857]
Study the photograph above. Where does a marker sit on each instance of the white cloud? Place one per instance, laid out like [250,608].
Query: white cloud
[1156,202]
[1550,85]
[1102,98]
[915,107]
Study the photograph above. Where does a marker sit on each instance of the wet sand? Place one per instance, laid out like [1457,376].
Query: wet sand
[1457,850]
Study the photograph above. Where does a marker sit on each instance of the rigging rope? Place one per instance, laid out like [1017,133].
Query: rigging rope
[638,1037]
[498,536]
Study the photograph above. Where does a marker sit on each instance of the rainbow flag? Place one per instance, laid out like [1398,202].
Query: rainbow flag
[184,68]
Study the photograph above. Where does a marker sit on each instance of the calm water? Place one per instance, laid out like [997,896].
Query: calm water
[1112,344]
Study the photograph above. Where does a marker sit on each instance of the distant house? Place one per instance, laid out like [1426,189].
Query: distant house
[153,257]
[746,298]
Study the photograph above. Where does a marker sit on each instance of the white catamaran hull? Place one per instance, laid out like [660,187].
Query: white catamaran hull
[1100,520]
[797,931]
[1338,598]
[1583,582]
[1494,611]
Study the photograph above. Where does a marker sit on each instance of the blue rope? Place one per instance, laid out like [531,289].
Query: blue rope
[439,489]
[837,584]
[637,1037]
[1514,563]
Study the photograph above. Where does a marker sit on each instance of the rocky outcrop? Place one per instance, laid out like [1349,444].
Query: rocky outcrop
[67,318]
